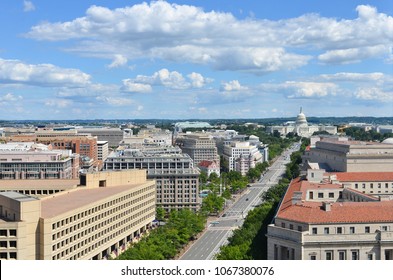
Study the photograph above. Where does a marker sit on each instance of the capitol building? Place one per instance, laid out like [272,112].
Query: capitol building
[301,127]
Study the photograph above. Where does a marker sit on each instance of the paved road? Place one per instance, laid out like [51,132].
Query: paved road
[216,235]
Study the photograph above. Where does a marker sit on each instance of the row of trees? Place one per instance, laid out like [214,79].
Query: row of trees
[249,242]
[166,241]
[361,135]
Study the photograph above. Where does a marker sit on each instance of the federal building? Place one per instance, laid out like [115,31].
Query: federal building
[91,220]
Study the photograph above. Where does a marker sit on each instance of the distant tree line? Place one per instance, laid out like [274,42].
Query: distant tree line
[360,134]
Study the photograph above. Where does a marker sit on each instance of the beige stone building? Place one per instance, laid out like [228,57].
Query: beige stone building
[321,218]
[351,156]
[100,216]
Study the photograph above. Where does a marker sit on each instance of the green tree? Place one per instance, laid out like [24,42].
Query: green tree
[203,177]
[160,213]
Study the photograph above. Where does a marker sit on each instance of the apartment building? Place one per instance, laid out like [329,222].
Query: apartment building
[102,215]
[102,150]
[28,160]
[176,177]
[241,156]
[351,156]
[198,146]
[84,145]
[328,220]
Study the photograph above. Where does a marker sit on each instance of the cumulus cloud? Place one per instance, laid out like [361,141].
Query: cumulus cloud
[130,86]
[118,61]
[310,89]
[28,6]
[198,81]
[46,75]
[10,97]
[232,86]
[166,78]
[374,94]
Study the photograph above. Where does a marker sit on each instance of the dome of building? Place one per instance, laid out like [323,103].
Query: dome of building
[388,141]
[301,119]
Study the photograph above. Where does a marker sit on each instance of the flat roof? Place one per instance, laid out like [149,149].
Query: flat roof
[69,201]
[18,196]
[46,183]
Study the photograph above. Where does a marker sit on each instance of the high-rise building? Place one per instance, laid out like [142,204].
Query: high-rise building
[113,135]
[241,156]
[176,177]
[198,146]
[98,218]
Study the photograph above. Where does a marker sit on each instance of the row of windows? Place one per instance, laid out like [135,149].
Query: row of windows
[371,185]
[8,244]
[108,215]
[8,256]
[78,250]
[107,205]
[341,230]
[7,232]
[342,255]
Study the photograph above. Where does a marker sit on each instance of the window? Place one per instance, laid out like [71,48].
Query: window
[355,255]
[352,230]
[331,195]
[363,185]
[370,256]
[299,228]
[384,228]
[311,195]
[314,230]
[329,255]
[326,230]
[367,229]
[283,225]
[342,255]
[320,195]
[356,186]
[313,257]
[339,230]
[291,226]
[371,185]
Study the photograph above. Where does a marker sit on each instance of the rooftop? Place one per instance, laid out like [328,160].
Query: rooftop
[363,176]
[80,197]
[312,212]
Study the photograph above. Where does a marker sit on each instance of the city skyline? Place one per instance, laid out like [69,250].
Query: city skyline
[195,59]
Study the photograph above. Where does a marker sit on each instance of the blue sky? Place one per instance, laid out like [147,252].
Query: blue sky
[195,59]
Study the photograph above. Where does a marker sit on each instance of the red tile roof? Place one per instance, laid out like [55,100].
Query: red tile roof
[206,163]
[341,212]
[363,176]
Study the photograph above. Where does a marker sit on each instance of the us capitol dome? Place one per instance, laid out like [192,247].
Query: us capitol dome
[301,127]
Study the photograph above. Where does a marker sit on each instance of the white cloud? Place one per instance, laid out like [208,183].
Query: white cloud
[232,86]
[28,6]
[374,94]
[198,81]
[10,97]
[130,86]
[115,101]
[118,61]
[58,103]
[310,89]
[166,78]
[354,77]
[353,55]
[46,75]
